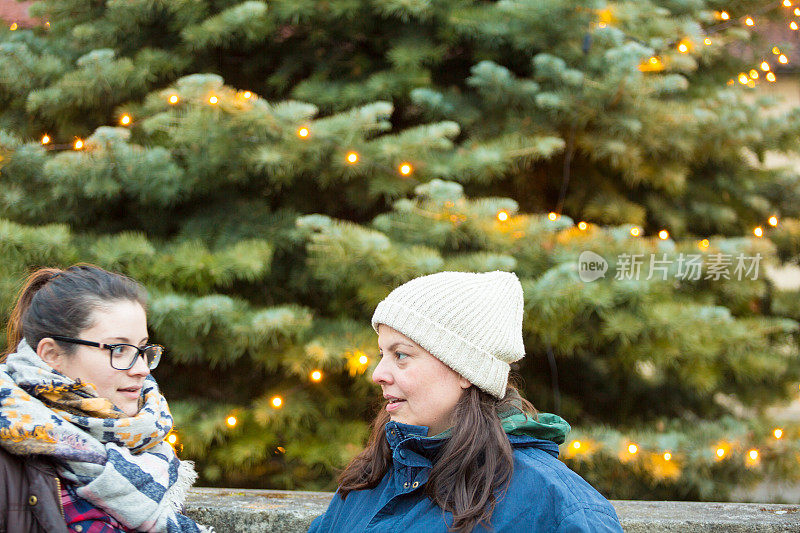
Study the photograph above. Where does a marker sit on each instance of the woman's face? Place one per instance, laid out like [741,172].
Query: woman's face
[120,322]
[426,389]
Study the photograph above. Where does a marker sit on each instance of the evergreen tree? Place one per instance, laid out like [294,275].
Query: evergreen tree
[275,169]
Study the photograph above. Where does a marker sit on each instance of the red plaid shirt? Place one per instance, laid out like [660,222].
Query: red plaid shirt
[83,517]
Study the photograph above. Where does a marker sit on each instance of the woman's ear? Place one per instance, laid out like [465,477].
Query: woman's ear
[49,352]
[464,382]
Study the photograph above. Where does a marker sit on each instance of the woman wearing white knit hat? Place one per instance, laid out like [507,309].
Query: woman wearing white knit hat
[456,447]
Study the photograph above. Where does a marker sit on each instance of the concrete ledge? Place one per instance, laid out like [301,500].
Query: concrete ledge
[278,511]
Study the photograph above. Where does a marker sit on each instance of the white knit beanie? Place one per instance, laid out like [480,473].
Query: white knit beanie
[471,322]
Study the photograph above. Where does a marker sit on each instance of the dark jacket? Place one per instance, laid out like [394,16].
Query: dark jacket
[30,500]
[544,496]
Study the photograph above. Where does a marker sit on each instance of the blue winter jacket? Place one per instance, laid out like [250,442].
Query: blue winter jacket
[543,495]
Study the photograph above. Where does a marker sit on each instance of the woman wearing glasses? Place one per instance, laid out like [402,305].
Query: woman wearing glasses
[82,422]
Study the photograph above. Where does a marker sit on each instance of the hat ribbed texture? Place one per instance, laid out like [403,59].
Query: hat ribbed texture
[472,322]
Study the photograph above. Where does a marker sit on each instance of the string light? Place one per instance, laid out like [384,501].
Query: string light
[582,226]
[277,402]
[776,50]
[721,452]
[724,15]
[749,21]
[758,232]
[13,27]
[787,3]
[173,99]
[633,449]
[683,48]
[303,133]
[797,12]
[213,100]
[770,76]
[172,438]
[704,243]
[743,79]
[45,139]
[231,421]
[125,120]
[793,25]
[352,157]
[247,94]
[778,433]
[764,66]
[78,145]
[753,454]
[316,375]
[47,25]
[363,359]
[406,169]
[552,216]
[754,74]
[502,216]
[635,232]
[773,221]
[663,235]
[707,41]
[783,59]
[576,444]
[667,456]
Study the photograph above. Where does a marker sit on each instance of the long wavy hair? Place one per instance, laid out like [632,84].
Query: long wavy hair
[470,470]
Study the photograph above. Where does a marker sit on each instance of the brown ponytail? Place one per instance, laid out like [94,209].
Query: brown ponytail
[61,302]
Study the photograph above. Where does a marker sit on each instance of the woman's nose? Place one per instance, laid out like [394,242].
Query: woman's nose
[381,374]
[140,367]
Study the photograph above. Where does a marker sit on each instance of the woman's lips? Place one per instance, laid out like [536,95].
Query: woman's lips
[395,405]
[132,392]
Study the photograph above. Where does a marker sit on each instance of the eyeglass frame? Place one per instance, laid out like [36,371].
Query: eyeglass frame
[110,348]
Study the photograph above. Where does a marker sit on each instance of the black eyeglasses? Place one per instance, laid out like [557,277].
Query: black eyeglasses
[123,356]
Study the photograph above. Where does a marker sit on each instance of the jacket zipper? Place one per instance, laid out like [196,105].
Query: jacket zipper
[58,495]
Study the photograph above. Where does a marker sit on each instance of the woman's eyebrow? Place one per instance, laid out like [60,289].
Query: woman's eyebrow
[395,345]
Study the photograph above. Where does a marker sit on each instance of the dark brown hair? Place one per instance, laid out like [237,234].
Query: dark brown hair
[60,302]
[470,468]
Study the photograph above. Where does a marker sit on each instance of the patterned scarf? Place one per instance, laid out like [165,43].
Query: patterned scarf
[120,464]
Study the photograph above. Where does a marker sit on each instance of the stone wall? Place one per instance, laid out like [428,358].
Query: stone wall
[276,511]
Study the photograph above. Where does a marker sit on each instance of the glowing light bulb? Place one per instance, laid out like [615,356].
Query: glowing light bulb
[173,99]
[778,433]
[773,221]
[776,50]
[797,12]
[352,157]
[277,401]
[682,48]
[45,139]
[247,94]
[663,235]
[363,359]
[667,456]
[754,74]
[632,449]
[654,60]
[724,15]
[793,25]
[502,216]
[787,3]
[720,452]
[78,144]
[47,25]
[751,84]
[552,216]
[125,120]
[749,21]
[13,27]
[213,100]
[707,41]
[764,66]
[231,421]
[582,225]
[758,232]
[316,375]
[635,232]
[576,444]
[753,454]
[783,59]
[743,79]
[303,132]
[770,76]
[405,169]
[704,243]
[172,438]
